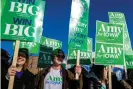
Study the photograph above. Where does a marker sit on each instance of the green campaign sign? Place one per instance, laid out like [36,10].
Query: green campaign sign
[31,46]
[22,20]
[126,38]
[106,32]
[85,55]
[119,18]
[109,54]
[51,42]
[127,44]
[116,17]
[89,44]
[44,56]
[2,5]
[78,35]
[46,47]
[127,48]
[129,61]
[78,27]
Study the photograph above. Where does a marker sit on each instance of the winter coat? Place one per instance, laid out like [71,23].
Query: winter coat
[26,81]
[93,82]
[125,85]
[82,83]
[4,69]
[122,84]
[66,75]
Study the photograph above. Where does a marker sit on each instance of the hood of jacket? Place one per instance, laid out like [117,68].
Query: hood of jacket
[92,75]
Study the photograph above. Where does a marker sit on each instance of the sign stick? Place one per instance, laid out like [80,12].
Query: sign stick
[110,77]
[11,81]
[125,68]
[77,63]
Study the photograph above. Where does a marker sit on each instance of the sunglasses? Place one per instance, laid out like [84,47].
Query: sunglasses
[61,56]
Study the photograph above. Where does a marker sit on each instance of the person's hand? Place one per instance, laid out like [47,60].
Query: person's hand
[78,70]
[12,71]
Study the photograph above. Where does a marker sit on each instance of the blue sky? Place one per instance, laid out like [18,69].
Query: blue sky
[57,16]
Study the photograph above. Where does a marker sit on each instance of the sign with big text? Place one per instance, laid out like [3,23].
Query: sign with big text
[85,55]
[110,33]
[46,48]
[109,44]
[109,54]
[54,44]
[22,20]
[116,17]
[119,18]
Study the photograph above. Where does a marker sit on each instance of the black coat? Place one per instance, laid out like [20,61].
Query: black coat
[26,81]
[119,84]
[4,69]
[81,83]
[92,82]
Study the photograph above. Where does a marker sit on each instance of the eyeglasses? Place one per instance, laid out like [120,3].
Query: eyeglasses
[61,56]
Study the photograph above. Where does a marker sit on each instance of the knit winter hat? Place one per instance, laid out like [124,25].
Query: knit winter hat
[25,51]
[57,52]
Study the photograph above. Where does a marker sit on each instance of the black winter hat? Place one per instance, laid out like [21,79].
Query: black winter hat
[57,52]
[97,68]
[25,51]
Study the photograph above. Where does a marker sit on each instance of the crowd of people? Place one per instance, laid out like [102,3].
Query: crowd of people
[57,77]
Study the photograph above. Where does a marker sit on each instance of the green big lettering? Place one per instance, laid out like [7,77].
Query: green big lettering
[24,8]
[20,30]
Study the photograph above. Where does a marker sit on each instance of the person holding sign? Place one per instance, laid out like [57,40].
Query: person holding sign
[24,79]
[97,77]
[55,76]
[82,83]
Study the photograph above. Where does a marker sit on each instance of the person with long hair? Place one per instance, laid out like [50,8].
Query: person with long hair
[24,79]
[97,78]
